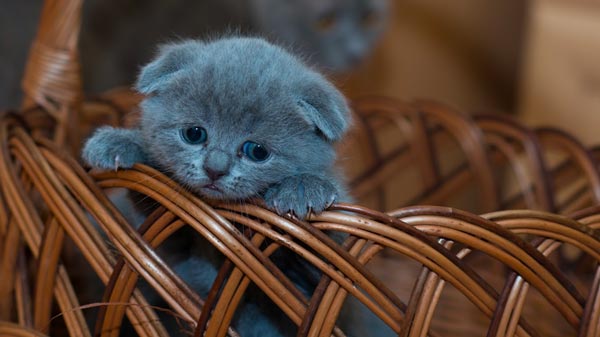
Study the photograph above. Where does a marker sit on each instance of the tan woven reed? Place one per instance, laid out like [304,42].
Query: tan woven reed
[47,199]
[52,76]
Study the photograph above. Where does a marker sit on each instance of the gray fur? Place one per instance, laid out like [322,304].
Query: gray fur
[238,90]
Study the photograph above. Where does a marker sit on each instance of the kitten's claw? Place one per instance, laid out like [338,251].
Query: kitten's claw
[331,201]
[301,195]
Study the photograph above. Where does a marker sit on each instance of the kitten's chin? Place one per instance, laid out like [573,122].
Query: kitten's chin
[212,187]
[217,193]
[211,191]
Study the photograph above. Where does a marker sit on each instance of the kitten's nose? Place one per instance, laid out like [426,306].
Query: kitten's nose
[214,174]
[216,164]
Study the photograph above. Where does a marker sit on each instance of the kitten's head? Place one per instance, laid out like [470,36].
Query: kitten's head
[335,34]
[230,117]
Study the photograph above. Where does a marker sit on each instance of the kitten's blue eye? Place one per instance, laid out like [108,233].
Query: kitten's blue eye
[255,151]
[194,135]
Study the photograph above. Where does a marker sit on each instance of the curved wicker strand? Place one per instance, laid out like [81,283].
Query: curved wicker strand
[15,330]
[123,279]
[585,237]
[428,306]
[8,265]
[380,110]
[424,299]
[52,75]
[505,319]
[232,294]
[322,294]
[470,138]
[212,297]
[19,206]
[505,312]
[3,219]
[64,290]
[67,300]
[519,170]
[507,128]
[323,320]
[46,182]
[328,322]
[580,156]
[147,182]
[51,247]
[590,325]
[23,292]
[26,220]
[237,283]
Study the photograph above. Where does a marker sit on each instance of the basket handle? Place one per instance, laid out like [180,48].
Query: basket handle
[52,76]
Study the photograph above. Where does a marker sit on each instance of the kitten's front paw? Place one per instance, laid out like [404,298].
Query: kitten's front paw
[111,148]
[301,195]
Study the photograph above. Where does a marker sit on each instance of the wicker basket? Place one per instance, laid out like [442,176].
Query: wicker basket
[497,263]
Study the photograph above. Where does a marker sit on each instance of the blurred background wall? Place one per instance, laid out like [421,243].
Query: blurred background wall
[464,52]
[560,77]
[18,24]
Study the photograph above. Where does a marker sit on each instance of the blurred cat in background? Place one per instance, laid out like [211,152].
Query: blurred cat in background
[118,36]
[335,34]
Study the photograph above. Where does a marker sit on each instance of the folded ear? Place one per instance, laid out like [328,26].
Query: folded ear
[323,106]
[171,58]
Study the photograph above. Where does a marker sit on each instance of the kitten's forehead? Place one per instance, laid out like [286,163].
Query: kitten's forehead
[244,82]
[237,110]
[234,67]
[260,117]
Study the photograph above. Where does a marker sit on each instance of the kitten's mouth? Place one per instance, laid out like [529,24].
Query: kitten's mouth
[212,187]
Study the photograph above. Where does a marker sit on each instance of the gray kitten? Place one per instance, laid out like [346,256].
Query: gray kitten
[232,119]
